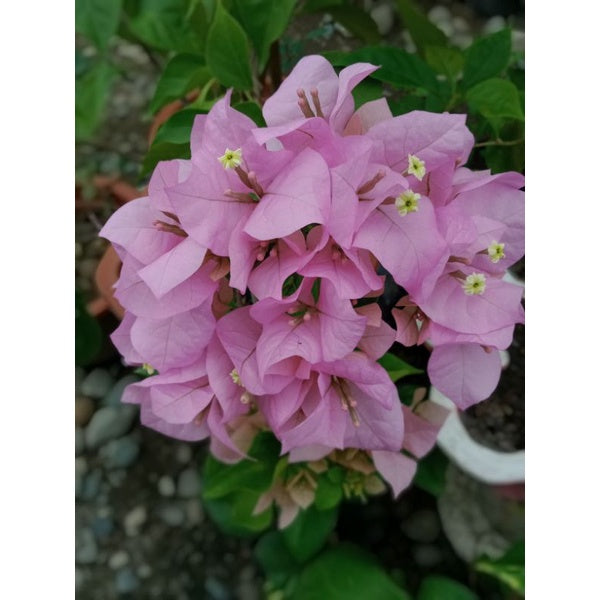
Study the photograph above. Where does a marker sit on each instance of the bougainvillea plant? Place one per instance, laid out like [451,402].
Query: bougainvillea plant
[252,273]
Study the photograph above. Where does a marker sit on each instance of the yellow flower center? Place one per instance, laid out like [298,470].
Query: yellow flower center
[150,370]
[495,251]
[235,377]
[474,284]
[231,159]
[407,202]
[416,166]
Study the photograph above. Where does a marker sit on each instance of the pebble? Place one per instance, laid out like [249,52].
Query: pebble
[166,486]
[120,453]
[248,591]
[188,484]
[113,398]
[126,581]
[439,14]
[86,549]
[108,423]
[194,512]
[79,578]
[383,15]
[78,250]
[216,589]
[79,441]
[103,526]
[95,249]
[518,40]
[427,555]
[144,571]
[116,478]
[91,485]
[463,40]
[79,377]
[97,384]
[183,453]
[460,25]
[494,24]
[118,560]
[87,267]
[421,526]
[172,514]
[134,520]
[84,409]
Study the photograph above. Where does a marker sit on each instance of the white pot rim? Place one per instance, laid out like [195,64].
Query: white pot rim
[483,463]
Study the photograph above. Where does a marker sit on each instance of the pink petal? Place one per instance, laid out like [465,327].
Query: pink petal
[465,373]
[398,470]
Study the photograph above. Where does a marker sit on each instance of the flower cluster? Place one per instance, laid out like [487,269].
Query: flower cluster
[251,274]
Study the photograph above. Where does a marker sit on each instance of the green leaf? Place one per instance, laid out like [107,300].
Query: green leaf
[356,21]
[396,367]
[398,67]
[183,73]
[221,479]
[98,20]
[88,334]
[163,151]
[227,53]
[312,6]
[505,158]
[445,60]
[423,32]
[486,57]
[308,532]
[436,587]
[510,569]
[252,110]
[170,25]
[496,99]
[91,93]
[329,492]
[264,21]
[406,104]
[234,513]
[275,558]
[345,573]
[172,140]
[366,91]
[431,472]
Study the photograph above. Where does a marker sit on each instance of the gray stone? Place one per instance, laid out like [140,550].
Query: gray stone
[108,423]
[172,514]
[421,526]
[86,549]
[383,15]
[439,14]
[97,384]
[84,409]
[183,453]
[113,398]
[194,512]
[460,25]
[118,560]
[79,377]
[87,267]
[427,555]
[248,591]
[188,484]
[126,581]
[103,526]
[166,486]
[91,485]
[494,24]
[79,441]
[216,589]
[121,453]
[116,478]
[79,578]
[463,40]
[144,571]
[134,520]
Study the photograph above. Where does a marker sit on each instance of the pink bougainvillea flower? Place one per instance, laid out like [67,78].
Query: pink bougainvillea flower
[318,331]
[466,373]
[313,89]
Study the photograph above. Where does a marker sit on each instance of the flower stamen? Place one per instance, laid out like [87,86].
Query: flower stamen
[231,158]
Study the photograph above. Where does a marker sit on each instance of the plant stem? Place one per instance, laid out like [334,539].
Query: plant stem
[499,143]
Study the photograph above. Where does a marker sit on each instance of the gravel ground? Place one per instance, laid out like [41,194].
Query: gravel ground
[140,528]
